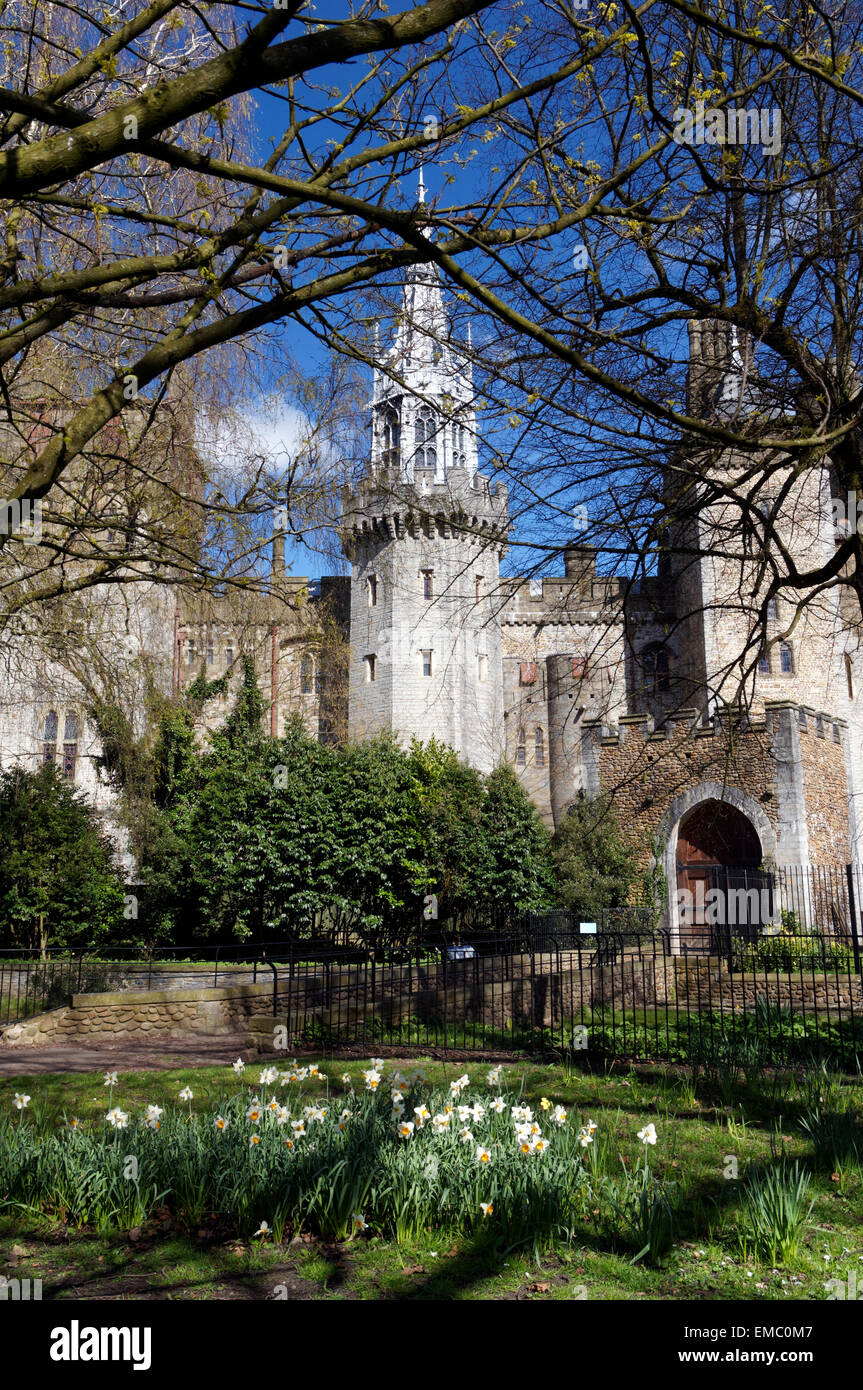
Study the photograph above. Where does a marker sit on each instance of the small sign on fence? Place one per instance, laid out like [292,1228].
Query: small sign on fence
[587,928]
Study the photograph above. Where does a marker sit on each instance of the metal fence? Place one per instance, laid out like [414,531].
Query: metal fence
[779,980]
[616,994]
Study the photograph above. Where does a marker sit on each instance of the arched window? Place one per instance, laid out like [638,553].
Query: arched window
[521,750]
[307,673]
[764,665]
[786,659]
[458,454]
[654,662]
[391,437]
[539,745]
[425,431]
[70,746]
[49,737]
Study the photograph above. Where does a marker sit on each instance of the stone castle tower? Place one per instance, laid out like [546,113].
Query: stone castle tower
[425,533]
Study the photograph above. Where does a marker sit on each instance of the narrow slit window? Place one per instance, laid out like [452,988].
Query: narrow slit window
[521,750]
[428,583]
[786,660]
[539,746]
[371,669]
[427,663]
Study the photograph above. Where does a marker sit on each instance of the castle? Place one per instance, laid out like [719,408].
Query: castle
[719,745]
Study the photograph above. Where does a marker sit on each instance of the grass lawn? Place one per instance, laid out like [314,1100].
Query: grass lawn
[702,1126]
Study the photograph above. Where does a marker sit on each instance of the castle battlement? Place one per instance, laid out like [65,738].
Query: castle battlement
[382,507]
[730,720]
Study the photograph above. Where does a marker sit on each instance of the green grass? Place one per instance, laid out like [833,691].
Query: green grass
[764,1123]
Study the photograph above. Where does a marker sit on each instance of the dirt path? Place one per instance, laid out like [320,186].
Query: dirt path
[164,1055]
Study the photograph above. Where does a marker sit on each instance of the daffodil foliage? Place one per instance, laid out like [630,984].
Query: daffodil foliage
[272,1156]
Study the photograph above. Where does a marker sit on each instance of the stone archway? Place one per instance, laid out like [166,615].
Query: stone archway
[711,825]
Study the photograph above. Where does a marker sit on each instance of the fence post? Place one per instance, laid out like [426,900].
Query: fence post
[855,926]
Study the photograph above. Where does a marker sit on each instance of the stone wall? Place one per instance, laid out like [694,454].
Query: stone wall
[142,1016]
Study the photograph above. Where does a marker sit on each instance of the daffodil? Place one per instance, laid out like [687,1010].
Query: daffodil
[262,1230]
[74,1122]
[647,1135]
[21,1101]
[545,1103]
[254,1141]
[406,1129]
[110,1078]
[477,1113]
[486,1208]
[254,1112]
[483,1155]
[268,1076]
[493,1078]
[465,1136]
[282,1115]
[440,1123]
[239,1066]
[372,1079]
[498,1105]
[422,1114]
[221,1123]
[186,1093]
[346,1079]
[117,1117]
[359,1222]
[558,1115]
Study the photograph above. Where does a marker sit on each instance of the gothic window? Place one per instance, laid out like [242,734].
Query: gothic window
[772,609]
[229,656]
[428,583]
[306,675]
[391,437]
[190,653]
[764,665]
[539,745]
[458,453]
[70,746]
[521,750]
[49,737]
[425,430]
[373,590]
[786,659]
[654,662]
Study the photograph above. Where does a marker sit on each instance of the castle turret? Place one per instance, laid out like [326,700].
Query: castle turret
[425,630]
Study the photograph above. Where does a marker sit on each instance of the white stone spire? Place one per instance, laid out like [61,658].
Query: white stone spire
[424,418]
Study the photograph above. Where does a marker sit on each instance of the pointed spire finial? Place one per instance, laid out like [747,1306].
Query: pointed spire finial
[421,189]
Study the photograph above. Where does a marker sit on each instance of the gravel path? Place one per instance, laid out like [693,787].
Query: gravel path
[165,1055]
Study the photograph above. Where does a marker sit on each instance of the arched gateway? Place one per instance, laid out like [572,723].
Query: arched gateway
[717,848]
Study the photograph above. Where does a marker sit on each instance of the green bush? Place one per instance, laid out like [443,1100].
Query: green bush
[792,952]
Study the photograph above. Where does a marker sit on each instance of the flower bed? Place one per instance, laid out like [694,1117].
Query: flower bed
[395,1156]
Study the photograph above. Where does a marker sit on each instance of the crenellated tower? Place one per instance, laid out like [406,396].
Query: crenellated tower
[425,533]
